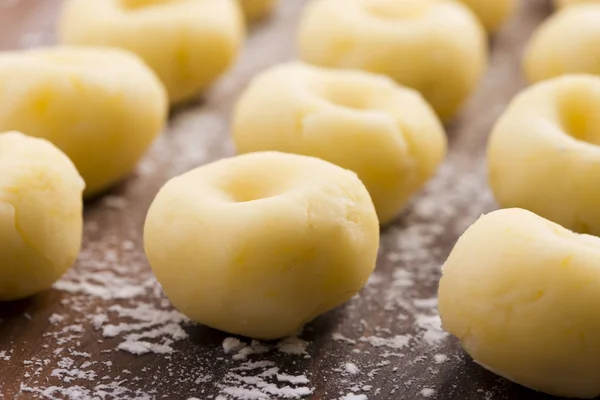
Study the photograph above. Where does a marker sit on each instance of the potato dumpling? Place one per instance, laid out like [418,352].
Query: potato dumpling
[522,295]
[436,47]
[256,9]
[260,244]
[544,152]
[364,122]
[188,43]
[102,107]
[40,215]
[565,43]
[492,14]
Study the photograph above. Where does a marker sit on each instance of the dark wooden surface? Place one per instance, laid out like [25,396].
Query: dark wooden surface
[57,344]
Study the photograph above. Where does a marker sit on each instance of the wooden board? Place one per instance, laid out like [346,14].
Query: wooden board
[72,341]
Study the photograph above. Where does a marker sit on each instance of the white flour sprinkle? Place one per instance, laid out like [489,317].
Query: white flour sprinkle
[115,202]
[104,294]
[432,326]
[292,345]
[351,368]
[352,396]
[255,347]
[341,338]
[426,303]
[262,380]
[232,344]
[296,380]
[152,324]
[258,380]
[121,287]
[56,319]
[427,392]
[440,358]
[396,342]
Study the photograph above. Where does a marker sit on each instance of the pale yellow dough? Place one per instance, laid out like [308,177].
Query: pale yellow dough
[436,47]
[260,244]
[102,107]
[523,296]
[40,215]
[188,43]
[544,152]
[566,43]
[364,122]
[256,9]
[492,13]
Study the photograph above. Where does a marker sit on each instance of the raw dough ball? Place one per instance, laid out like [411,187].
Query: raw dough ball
[256,9]
[188,43]
[385,133]
[436,47]
[40,215]
[522,295]
[564,3]
[544,152]
[491,13]
[260,244]
[565,43]
[102,107]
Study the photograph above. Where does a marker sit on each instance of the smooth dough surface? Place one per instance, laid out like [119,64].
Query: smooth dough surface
[102,107]
[256,9]
[522,295]
[188,43]
[565,43]
[544,152]
[491,13]
[364,122]
[40,215]
[436,47]
[262,243]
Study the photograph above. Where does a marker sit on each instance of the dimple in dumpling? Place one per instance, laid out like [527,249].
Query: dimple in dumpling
[436,47]
[385,133]
[544,152]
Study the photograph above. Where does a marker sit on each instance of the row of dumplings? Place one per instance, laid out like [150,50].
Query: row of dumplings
[434,47]
[92,106]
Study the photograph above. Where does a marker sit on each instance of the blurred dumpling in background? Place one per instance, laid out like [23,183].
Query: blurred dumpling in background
[566,43]
[188,43]
[436,47]
[102,107]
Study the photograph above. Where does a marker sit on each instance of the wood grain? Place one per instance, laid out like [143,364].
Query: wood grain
[416,243]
